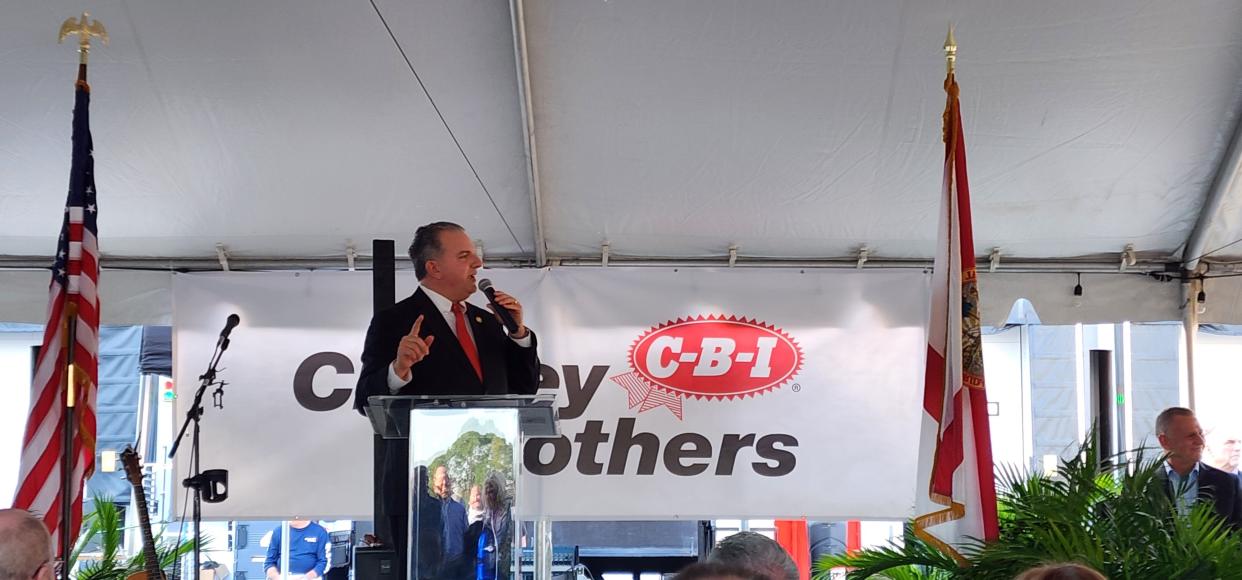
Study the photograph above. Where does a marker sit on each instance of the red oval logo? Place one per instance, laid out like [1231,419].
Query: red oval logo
[716,357]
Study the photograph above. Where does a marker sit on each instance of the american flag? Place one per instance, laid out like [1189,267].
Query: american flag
[956,500]
[75,275]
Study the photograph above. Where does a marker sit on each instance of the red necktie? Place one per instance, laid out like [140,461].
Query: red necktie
[463,336]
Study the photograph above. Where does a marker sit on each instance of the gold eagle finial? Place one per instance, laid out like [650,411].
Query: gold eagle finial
[85,29]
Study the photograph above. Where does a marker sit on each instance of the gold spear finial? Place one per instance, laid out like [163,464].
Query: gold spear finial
[950,51]
[85,31]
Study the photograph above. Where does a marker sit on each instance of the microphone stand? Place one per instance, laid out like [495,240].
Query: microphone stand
[193,415]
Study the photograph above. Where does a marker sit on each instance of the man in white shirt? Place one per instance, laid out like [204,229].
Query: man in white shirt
[436,343]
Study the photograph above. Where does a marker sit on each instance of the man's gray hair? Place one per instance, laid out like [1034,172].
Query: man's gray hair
[496,482]
[757,553]
[25,545]
[1165,418]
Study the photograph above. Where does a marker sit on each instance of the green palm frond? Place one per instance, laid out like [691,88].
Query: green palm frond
[104,522]
[100,570]
[1107,512]
[909,558]
[166,552]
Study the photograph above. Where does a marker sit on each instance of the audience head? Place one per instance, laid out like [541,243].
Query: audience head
[757,553]
[1061,572]
[25,547]
[712,571]
[1179,434]
[1224,446]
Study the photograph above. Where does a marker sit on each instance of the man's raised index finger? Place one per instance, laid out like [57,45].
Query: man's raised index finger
[418,326]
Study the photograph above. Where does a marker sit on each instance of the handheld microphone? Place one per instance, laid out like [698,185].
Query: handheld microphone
[506,317]
[232,323]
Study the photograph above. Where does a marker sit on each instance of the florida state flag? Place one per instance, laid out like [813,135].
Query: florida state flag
[957,495]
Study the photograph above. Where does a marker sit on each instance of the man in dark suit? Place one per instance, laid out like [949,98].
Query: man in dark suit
[434,343]
[1187,479]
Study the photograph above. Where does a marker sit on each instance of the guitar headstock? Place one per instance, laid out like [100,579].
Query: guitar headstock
[133,465]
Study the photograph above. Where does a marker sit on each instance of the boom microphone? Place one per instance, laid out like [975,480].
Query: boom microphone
[506,317]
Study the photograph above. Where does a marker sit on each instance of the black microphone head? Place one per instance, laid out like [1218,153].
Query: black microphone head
[229,325]
[485,286]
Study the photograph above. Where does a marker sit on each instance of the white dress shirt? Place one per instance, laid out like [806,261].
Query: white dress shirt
[445,306]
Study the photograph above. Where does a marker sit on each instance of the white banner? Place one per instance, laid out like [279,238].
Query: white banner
[684,393]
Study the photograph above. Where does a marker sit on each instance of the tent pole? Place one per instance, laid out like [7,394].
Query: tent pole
[517,11]
[1190,325]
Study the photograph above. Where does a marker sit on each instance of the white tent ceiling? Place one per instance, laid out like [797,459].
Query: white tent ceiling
[279,128]
[807,129]
[793,130]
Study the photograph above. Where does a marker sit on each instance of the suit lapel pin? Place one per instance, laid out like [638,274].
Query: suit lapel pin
[478,319]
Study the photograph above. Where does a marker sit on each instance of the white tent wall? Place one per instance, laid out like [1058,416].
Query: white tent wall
[142,297]
[127,297]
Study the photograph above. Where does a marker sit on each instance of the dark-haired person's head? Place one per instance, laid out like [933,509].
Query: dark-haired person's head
[445,260]
[757,553]
[25,547]
[714,571]
[1061,572]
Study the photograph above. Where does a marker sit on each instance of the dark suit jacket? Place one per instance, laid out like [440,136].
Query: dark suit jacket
[1219,487]
[507,369]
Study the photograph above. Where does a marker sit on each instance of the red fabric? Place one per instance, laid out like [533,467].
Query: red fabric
[853,536]
[463,336]
[791,535]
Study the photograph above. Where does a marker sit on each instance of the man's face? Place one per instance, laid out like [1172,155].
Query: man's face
[442,484]
[453,272]
[1183,439]
[1226,451]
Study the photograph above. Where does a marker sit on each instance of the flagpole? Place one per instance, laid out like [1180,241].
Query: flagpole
[85,29]
[68,418]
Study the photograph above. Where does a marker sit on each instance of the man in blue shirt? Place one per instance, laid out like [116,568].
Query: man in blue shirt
[453,514]
[1188,480]
[308,551]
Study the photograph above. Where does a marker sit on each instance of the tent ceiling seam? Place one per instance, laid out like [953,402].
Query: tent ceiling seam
[1222,179]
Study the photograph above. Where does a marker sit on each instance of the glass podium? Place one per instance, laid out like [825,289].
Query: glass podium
[464,482]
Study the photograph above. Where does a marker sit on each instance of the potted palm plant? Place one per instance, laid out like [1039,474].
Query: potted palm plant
[104,523]
[1110,514]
